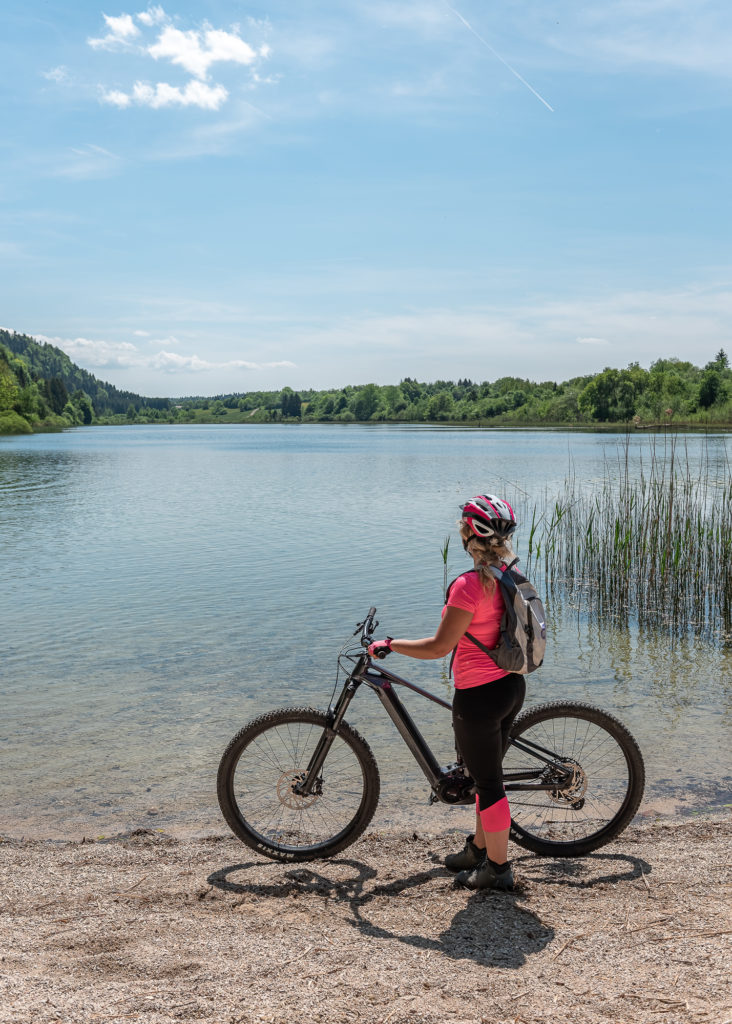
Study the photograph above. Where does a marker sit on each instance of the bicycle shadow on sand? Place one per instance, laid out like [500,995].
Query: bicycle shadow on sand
[493,929]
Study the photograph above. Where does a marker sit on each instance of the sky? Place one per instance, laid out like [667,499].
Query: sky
[216,196]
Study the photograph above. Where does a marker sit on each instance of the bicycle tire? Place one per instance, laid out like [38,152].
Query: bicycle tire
[255,778]
[607,789]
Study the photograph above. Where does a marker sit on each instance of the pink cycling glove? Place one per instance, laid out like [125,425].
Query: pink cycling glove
[380,648]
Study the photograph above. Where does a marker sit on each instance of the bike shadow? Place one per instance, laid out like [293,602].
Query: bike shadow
[586,872]
[491,928]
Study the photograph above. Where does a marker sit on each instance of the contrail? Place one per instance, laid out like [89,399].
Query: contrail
[498,56]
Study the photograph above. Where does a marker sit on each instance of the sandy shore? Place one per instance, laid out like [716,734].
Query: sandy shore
[149,928]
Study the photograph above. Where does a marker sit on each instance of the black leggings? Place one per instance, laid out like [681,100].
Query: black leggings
[482,717]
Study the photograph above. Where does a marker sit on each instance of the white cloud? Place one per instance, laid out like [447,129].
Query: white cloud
[195,94]
[122,26]
[58,75]
[172,362]
[122,31]
[123,355]
[97,354]
[117,98]
[152,16]
[141,334]
[196,51]
[591,341]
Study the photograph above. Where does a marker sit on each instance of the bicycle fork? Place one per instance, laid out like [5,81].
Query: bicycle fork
[335,716]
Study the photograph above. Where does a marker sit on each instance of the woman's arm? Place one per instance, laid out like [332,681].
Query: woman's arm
[454,623]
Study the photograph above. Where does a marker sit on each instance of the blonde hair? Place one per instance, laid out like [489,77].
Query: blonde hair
[490,551]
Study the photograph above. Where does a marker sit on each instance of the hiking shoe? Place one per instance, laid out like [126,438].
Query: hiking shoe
[468,858]
[486,877]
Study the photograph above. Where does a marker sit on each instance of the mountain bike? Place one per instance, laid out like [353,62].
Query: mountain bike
[298,784]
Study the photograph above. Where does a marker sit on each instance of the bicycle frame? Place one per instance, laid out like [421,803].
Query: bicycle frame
[382,681]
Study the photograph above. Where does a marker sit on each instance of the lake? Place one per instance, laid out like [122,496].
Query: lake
[160,585]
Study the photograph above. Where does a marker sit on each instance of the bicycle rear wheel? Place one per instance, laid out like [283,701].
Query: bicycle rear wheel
[262,765]
[608,778]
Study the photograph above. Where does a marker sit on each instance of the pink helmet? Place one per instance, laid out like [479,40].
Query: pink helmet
[489,516]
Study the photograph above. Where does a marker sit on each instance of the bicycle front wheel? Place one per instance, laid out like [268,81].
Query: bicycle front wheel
[263,764]
[607,779]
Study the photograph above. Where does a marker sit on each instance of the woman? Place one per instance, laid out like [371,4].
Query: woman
[487,698]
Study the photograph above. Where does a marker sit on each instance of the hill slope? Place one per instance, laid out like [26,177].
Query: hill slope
[47,362]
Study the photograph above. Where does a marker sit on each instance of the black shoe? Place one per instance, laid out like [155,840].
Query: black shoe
[468,858]
[485,876]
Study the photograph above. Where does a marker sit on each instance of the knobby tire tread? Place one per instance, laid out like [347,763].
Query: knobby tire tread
[237,820]
[636,771]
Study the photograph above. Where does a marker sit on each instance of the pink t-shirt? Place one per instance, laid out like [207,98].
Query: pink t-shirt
[473,667]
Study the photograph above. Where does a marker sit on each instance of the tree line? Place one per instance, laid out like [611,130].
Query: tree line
[42,389]
[670,391]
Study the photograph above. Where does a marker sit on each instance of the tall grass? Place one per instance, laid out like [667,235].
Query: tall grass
[654,544]
[443,551]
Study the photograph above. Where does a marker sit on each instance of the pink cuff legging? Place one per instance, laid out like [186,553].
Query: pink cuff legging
[482,717]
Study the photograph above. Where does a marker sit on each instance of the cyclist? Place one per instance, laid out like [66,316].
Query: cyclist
[487,698]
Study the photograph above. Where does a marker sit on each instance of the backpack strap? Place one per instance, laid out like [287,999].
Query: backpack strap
[447,597]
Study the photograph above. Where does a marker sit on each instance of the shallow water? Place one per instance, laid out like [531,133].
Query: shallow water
[161,585]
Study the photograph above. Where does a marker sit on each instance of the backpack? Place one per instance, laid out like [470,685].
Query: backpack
[523,623]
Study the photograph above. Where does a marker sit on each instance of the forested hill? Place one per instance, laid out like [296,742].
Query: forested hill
[42,389]
[47,362]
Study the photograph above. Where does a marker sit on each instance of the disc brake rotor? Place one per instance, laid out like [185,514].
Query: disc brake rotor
[286,793]
[572,789]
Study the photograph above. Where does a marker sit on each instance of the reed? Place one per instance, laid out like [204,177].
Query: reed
[653,545]
[443,551]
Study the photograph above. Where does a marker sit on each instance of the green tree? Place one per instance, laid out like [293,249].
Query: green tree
[611,395]
[9,389]
[711,387]
[365,402]
[440,406]
[411,390]
[58,396]
[83,404]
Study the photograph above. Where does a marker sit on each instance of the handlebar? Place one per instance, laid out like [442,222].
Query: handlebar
[367,627]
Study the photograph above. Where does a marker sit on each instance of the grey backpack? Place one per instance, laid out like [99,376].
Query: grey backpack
[523,624]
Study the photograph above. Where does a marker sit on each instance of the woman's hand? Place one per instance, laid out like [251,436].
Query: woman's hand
[380,648]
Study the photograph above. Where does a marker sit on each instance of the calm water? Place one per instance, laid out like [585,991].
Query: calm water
[161,585]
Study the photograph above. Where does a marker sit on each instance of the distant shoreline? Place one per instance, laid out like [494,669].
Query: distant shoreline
[568,428]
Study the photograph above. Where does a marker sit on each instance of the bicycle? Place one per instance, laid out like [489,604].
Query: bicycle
[298,784]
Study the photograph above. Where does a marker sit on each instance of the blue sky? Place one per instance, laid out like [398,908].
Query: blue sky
[207,197]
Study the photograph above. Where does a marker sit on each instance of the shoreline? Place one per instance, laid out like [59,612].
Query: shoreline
[576,428]
[665,807]
[145,927]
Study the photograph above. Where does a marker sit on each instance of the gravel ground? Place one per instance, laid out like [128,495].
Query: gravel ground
[153,929]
